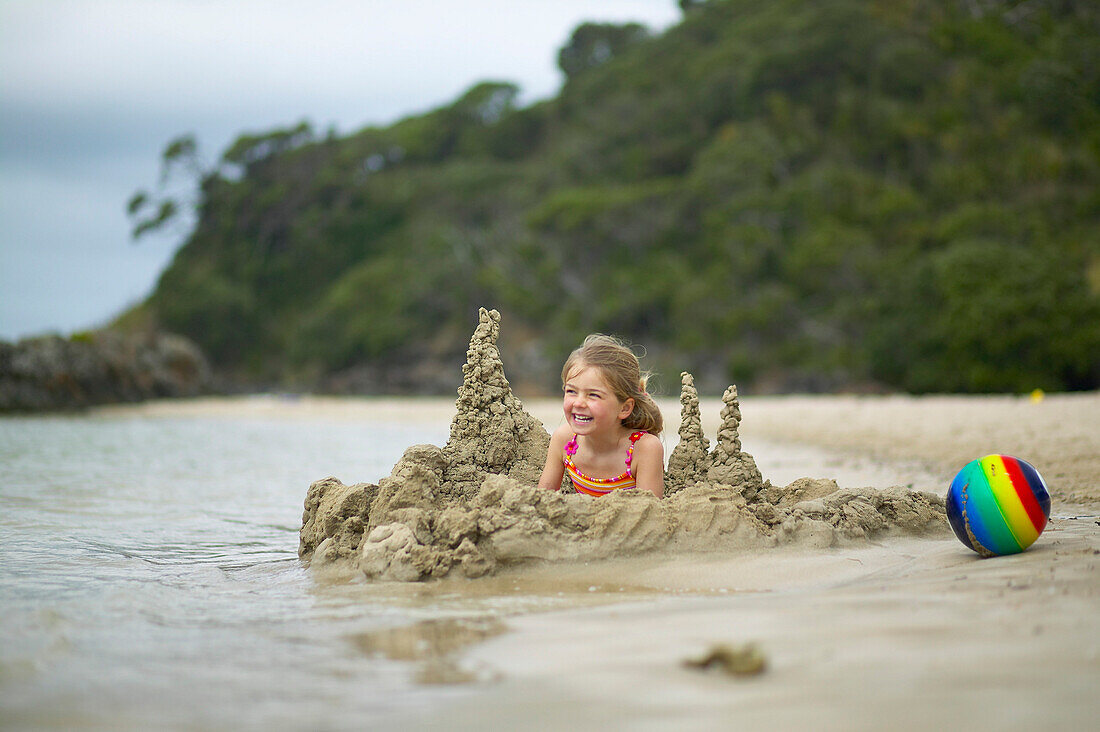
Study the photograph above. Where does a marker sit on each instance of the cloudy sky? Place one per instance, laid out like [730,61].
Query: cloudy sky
[91,90]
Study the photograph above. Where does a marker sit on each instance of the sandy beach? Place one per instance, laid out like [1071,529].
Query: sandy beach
[908,634]
[899,633]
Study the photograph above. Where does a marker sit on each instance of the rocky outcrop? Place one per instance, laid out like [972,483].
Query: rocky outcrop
[54,373]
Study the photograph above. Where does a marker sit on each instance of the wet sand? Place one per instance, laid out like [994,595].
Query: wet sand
[909,634]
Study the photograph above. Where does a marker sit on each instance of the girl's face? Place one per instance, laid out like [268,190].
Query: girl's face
[589,405]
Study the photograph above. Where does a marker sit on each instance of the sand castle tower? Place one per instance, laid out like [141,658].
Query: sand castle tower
[729,465]
[689,460]
[491,432]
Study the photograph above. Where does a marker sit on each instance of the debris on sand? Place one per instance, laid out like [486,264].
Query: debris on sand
[741,660]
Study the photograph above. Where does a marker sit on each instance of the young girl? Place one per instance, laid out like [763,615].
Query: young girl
[609,439]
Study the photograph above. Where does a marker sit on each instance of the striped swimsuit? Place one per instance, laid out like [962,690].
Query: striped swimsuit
[599,486]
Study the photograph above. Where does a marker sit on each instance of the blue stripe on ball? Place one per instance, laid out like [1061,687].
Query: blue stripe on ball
[1037,485]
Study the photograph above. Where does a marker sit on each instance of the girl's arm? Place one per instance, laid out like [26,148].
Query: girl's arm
[649,462]
[554,470]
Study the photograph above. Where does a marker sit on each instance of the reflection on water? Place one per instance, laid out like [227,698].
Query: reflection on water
[149,579]
[432,644]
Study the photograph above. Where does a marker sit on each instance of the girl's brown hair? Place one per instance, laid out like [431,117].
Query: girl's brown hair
[623,373]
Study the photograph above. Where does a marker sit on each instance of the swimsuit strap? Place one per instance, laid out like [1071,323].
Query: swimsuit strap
[634,437]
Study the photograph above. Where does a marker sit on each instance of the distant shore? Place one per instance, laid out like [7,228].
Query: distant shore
[55,374]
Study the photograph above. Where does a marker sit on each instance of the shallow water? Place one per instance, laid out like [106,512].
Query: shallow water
[149,577]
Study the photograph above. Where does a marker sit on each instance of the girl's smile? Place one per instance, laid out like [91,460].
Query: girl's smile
[590,406]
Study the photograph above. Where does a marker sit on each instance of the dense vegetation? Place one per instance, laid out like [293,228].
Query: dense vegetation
[786,195]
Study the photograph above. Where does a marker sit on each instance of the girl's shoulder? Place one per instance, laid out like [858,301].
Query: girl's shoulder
[649,443]
[561,435]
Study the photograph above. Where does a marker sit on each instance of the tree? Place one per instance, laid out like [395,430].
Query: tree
[150,213]
[248,150]
[593,44]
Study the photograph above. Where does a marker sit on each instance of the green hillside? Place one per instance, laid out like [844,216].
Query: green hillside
[785,195]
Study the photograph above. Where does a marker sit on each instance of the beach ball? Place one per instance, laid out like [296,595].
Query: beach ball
[997,505]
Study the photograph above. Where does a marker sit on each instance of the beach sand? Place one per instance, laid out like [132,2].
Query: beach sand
[907,634]
[901,633]
[904,633]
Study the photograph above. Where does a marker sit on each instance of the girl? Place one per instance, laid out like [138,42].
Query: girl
[609,438]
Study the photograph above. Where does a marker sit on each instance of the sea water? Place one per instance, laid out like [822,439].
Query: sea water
[149,576]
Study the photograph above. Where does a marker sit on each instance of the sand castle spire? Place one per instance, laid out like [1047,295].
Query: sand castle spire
[729,464]
[728,435]
[491,432]
[689,460]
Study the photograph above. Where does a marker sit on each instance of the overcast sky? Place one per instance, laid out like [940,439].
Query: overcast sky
[91,90]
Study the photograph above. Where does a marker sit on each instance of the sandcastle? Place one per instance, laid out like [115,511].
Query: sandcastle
[473,506]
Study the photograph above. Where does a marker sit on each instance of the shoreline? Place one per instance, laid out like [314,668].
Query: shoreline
[936,434]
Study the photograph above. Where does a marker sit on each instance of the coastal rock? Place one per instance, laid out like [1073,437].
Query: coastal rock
[104,367]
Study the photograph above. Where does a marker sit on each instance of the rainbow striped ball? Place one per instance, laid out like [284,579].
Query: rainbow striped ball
[998,505]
